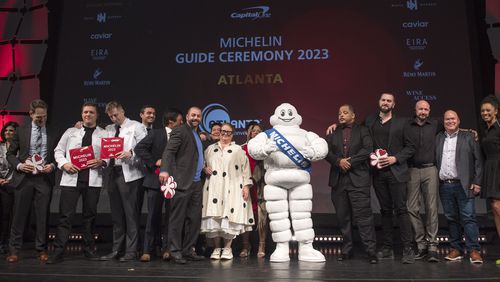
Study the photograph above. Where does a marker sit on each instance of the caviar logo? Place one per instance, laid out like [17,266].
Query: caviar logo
[252,13]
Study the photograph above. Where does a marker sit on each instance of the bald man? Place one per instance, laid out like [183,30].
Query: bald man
[424,181]
[459,162]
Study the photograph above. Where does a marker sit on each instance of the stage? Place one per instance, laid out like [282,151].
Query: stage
[75,269]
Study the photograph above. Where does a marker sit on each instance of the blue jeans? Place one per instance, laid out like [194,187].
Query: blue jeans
[460,212]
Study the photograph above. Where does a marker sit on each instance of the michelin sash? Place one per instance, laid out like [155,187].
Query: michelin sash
[289,150]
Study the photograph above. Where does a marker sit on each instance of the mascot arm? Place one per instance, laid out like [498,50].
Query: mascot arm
[260,146]
[317,148]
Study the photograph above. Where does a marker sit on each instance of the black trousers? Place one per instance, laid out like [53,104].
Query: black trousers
[7,202]
[33,189]
[152,233]
[185,214]
[67,208]
[391,195]
[124,214]
[353,204]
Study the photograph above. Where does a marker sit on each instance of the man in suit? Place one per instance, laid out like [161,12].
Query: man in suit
[390,134]
[460,166]
[123,177]
[76,182]
[183,159]
[348,149]
[150,150]
[31,185]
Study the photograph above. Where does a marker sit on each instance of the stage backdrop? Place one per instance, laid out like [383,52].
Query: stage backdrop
[238,60]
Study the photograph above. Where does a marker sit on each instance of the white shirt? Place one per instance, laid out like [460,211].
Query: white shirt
[448,165]
[71,139]
[169,130]
[132,132]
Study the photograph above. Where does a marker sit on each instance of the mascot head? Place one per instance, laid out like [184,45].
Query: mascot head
[285,114]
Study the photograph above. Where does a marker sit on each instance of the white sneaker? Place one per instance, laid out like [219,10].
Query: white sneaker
[216,253]
[227,253]
[281,254]
[308,253]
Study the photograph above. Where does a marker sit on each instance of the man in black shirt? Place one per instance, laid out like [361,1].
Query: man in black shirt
[390,134]
[424,181]
[348,150]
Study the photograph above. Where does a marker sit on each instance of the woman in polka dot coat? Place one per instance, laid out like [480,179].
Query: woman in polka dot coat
[227,208]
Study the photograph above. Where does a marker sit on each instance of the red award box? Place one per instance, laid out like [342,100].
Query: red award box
[110,147]
[80,156]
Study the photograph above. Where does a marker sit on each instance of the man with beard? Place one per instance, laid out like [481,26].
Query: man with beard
[183,160]
[390,133]
[424,181]
[348,149]
[150,150]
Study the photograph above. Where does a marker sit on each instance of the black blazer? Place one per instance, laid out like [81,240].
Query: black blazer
[400,144]
[150,149]
[19,151]
[360,147]
[468,158]
[180,157]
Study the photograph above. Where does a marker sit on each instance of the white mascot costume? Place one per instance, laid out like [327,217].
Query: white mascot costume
[287,181]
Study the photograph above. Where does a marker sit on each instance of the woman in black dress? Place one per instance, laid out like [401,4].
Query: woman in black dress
[490,144]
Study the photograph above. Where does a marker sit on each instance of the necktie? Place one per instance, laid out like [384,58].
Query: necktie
[38,140]
[117,133]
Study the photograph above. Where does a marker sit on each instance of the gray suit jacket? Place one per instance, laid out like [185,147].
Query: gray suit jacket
[180,157]
[468,158]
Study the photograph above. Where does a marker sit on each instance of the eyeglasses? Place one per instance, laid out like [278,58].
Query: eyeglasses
[226,132]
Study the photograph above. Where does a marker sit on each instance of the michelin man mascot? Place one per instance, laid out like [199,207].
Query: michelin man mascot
[287,151]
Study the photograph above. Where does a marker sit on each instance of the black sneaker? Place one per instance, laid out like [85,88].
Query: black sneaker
[408,256]
[432,256]
[385,253]
[422,253]
[58,258]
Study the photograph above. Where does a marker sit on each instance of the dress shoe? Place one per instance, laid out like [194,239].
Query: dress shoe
[145,258]
[421,254]
[408,256]
[193,256]
[110,256]
[177,258]
[432,256]
[128,257]
[372,259]
[90,254]
[453,255]
[43,257]
[58,258]
[12,258]
[475,257]
[342,257]
[385,253]
[166,256]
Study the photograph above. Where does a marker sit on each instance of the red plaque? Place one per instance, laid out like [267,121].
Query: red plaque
[80,156]
[110,147]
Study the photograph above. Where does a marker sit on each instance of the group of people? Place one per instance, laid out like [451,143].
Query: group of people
[220,187]
[415,162]
[206,168]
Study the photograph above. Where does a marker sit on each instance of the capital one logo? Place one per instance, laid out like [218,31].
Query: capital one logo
[412,5]
[101,17]
[252,13]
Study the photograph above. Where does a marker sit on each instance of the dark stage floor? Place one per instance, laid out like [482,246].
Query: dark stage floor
[75,268]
